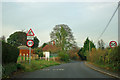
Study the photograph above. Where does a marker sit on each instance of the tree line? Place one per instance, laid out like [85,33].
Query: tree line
[64,38]
[66,46]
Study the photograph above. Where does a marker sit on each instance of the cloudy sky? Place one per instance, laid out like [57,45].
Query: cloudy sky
[86,19]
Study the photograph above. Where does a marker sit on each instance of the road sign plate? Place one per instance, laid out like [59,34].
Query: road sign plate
[30,43]
[30,33]
[113,44]
[30,37]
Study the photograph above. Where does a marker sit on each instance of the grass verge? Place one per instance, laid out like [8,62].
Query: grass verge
[11,69]
[106,67]
[36,65]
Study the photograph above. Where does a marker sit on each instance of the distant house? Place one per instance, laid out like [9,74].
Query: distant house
[52,48]
[24,50]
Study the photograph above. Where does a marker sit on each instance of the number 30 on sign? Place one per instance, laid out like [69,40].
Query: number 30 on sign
[30,43]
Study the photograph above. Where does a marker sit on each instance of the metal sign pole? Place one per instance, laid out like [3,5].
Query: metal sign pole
[30,43]
[29,55]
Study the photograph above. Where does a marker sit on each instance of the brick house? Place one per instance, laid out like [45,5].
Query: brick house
[24,50]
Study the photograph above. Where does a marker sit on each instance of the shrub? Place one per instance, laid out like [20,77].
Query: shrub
[20,67]
[57,58]
[74,56]
[9,53]
[64,56]
[8,69]
[106,57]
[39,52]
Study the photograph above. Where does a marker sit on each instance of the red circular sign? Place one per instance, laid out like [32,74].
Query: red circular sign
[113,44]
[30,43]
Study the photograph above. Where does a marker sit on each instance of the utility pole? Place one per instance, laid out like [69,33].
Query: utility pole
[89,46]
[29,55]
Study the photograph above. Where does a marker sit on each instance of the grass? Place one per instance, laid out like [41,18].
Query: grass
[15,68]
[37,64]
[108,67]
[18,60]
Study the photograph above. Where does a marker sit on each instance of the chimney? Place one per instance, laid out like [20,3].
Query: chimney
[53,42]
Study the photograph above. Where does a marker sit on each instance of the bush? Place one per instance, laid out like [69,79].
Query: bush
[64,57]
[74,56]
[8,69]
[9,53]
[105,57]
[39,52]
[20,67]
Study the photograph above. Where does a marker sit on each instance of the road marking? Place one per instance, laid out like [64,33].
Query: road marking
[58,69]
[45,69]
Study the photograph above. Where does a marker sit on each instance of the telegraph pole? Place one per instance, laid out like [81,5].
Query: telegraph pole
[89,46]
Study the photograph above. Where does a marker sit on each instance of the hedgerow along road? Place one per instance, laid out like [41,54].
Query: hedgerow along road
[74,69]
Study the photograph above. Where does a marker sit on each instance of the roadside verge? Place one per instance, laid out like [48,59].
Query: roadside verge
[102,70]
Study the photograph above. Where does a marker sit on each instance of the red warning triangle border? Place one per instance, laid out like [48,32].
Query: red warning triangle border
[31,31]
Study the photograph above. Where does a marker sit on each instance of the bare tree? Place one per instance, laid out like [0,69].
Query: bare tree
[101,44]
[63,36]
[2,38]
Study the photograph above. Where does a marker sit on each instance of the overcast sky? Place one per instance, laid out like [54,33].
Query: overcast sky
[86,19]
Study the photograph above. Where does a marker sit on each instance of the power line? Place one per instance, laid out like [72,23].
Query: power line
[109,21]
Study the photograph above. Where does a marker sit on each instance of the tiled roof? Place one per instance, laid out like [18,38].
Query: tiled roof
[23,47]
[50,47]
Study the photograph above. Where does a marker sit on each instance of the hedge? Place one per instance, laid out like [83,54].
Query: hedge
[108,57]
[9,53]
[8,69]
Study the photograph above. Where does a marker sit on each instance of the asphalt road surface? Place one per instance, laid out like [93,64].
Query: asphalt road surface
[74,69]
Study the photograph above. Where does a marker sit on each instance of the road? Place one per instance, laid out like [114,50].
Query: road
[74,69]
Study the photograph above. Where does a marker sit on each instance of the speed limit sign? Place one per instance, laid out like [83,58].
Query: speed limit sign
[30,43]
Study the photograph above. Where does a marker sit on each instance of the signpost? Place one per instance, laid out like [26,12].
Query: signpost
[30,43]
[30,37]
[113,44]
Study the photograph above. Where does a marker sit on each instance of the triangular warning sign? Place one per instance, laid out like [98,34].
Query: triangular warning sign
[30,33]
